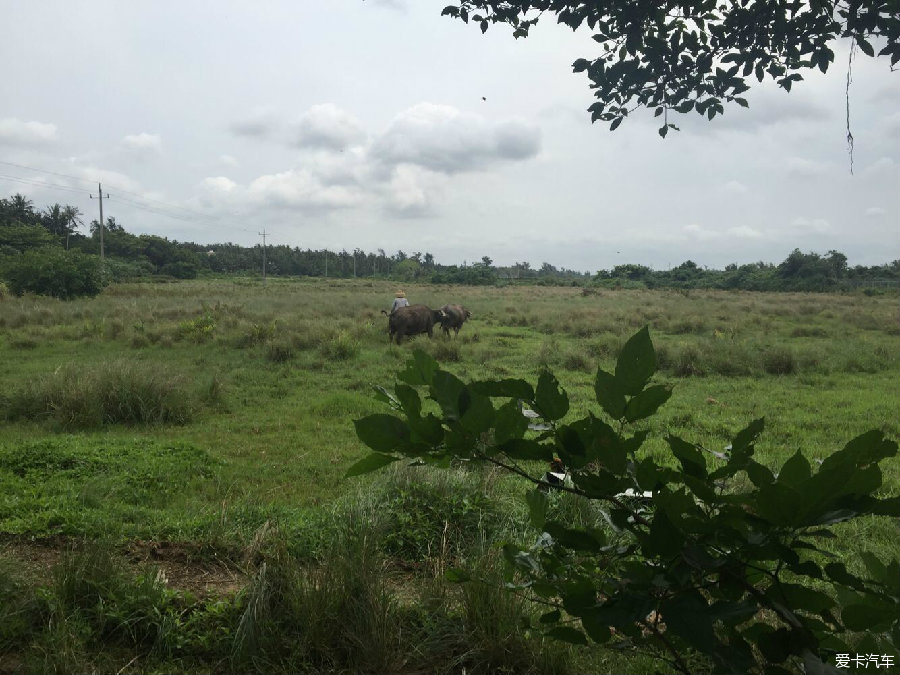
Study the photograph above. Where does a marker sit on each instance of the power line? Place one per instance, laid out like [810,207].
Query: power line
[149,200]
[38,183]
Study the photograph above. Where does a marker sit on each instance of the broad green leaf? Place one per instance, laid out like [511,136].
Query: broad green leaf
[551,402]
[420,369]
[446,389]
[550,617]
[382,433]
[409,400]
[758,474]
[664,539]
[801,597]
[573,538]
[428,430]
[610,394]
[525,448]
[692,460]
[746,437]
[571,447]
[871,614]
[795,471]
[369,463]
[604,446]
[509,422]
[647,402]
[636,362]
[775,645]
[598,630]
[600,484]
[865,449]
[509,388]
[687,614]
[651,476]
[477,412]
[778,503]
[537,507]
[567,634]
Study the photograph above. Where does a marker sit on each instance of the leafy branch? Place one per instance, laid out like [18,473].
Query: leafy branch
[710,569]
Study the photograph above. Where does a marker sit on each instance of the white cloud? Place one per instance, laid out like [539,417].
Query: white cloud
[14,131]
[875,212]
[818,225]
[327,126]
[805,168]
[408,190]
[735,187]
[745,232]
[142,142]
[443,139]
[300,189]
[701,233]
[219,184]
[229,160]
[881,165]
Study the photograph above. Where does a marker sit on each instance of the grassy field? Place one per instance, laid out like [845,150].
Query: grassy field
[182,448]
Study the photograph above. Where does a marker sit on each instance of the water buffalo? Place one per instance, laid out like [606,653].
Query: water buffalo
[412,320]
[454,317]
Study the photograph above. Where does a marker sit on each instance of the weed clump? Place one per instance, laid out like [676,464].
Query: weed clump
[342,347]
[779,361]
[119,392]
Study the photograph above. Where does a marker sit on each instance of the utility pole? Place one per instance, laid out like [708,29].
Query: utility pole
[263,235]
[354,264]
[100,197]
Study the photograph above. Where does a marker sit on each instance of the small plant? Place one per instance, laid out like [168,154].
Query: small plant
[721,570]
[342,347]
[197,330]
[280,352]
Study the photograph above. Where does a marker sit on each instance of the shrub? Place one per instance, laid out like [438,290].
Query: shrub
[779,361]
[721,570]
[342,347]
[280,352]
[55,272]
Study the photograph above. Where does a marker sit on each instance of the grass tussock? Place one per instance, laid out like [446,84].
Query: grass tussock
[117,392]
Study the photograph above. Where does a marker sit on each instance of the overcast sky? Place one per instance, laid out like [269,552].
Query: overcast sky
[352,123]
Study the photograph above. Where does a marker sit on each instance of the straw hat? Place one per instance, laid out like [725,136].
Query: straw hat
[401,294]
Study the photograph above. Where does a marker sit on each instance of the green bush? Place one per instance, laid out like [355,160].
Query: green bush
[721,569]
[55,272]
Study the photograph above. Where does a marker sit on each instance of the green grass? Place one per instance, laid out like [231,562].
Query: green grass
[209,412]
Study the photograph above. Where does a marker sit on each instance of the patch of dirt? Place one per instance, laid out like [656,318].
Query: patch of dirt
[184,566]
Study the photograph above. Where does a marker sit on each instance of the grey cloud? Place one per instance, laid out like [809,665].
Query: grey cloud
[442,139]
[14,131]
[261,123]
[328,127]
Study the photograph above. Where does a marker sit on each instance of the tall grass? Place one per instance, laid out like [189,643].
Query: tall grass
[117,392]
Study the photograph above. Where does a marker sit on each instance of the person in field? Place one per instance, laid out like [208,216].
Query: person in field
[399,301]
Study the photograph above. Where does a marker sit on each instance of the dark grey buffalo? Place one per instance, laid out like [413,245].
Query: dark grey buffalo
[454,317]
[412,320]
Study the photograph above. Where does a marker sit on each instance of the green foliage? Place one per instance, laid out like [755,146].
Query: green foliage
[55,272]
[679,57]
[722,569]
[200,329]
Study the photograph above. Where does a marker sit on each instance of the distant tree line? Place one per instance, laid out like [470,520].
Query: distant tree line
[798,272]
[42,251]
